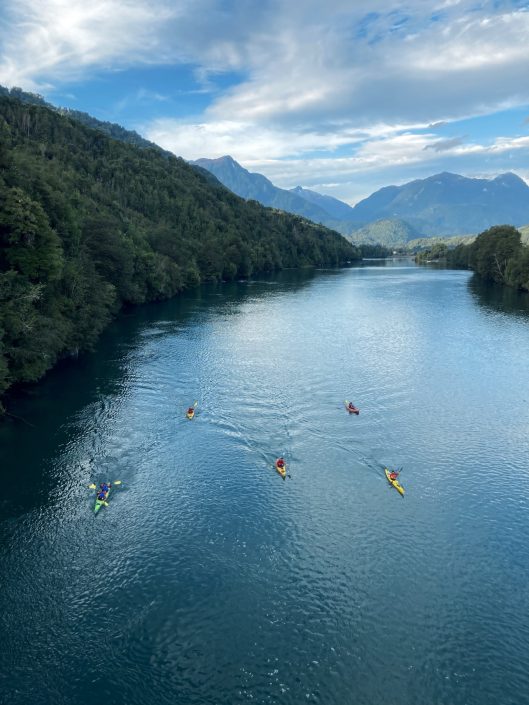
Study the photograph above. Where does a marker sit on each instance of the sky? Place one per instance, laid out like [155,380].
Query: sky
[342,96]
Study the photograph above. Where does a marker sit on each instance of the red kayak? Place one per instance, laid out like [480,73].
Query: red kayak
[351,408]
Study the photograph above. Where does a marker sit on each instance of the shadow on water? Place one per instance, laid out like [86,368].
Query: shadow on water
[498,298]
[49,416]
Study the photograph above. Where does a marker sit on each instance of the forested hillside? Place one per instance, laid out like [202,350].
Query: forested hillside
[497,255]
[88,223]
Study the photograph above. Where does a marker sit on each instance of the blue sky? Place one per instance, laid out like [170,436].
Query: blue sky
[343,97]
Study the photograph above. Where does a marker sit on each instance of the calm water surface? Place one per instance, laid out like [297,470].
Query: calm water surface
[210,580]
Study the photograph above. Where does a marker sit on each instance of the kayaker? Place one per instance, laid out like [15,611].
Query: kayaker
[191,410]
[280,463]
[393,475]
[104,487]
[102,496]
[352,406]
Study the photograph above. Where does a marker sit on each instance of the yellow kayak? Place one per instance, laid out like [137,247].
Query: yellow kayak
[281,470]
[395,483]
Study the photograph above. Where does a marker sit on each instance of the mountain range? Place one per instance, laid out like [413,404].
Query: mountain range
[442,204]
[258,188]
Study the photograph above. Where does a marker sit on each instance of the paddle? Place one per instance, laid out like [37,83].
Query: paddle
[94,487]
[351,411]
[188,412]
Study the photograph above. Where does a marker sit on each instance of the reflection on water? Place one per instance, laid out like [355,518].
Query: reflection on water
[208,579]
[500,298]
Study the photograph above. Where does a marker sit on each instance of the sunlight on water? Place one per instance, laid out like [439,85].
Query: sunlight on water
[209,579]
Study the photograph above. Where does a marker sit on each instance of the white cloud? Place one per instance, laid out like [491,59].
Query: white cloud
[365,85]
[47,42]
[245,142]
[395,159]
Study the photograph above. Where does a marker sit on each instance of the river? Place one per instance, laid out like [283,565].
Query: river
[210,580]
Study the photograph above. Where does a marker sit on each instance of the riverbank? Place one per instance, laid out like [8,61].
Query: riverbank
[496,255]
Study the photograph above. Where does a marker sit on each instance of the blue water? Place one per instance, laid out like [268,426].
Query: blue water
[209,579]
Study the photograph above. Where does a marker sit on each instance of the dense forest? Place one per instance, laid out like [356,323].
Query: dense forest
[496,255]
[89,223]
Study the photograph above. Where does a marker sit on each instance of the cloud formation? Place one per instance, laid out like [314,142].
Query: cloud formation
[444,145]
[339,87]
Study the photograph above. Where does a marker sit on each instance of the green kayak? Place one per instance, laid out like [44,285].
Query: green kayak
[101,502]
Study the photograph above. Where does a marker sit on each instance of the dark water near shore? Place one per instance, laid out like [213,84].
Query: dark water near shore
[210,580]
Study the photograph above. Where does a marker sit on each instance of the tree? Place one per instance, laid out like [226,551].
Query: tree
[27,243]
[491,251]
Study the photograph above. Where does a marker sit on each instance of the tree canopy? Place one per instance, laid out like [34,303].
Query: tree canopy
[496,255]
[89,223]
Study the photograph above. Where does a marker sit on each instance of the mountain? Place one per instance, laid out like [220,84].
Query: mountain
[439,205]
[335,208]
[390,232]
[446,203]
[89,224]
[257,187]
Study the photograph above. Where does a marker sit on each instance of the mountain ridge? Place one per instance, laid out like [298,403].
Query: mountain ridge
[254,186]
[441,204]
[448,203]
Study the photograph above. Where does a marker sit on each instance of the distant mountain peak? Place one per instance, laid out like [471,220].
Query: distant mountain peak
[510,179]
[448,204]
[257,187]
[441,204]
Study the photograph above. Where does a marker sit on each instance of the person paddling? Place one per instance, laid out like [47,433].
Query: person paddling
[393,475]
[280,463]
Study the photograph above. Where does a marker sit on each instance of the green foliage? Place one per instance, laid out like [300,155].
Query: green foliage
[88,223]
[491,251]
[426,243]
[367,250]
[497,255]
[436,253]
[27,243]
[390,232]
[459,257]
[517,270]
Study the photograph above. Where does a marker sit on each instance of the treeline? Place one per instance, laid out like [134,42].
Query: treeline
[371,250]
[437,252]
[109,128]
[496,255]
[88,224]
